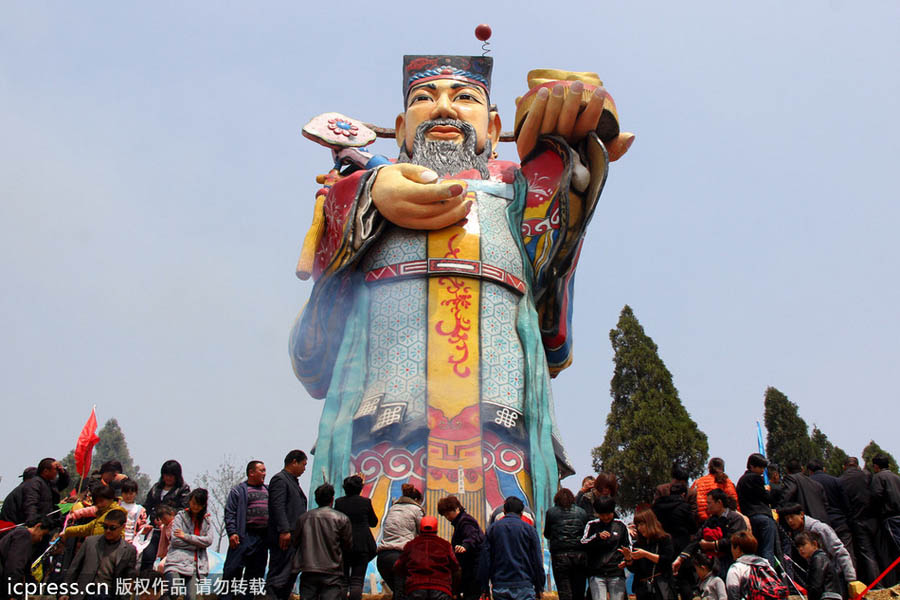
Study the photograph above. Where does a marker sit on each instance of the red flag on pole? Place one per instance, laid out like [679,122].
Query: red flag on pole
[85,445]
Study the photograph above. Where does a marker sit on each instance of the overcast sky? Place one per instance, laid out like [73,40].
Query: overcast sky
[155,190]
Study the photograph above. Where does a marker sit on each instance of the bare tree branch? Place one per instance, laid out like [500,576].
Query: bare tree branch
[218,483]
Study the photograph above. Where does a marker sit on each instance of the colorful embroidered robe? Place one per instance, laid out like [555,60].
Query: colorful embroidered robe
[434,350]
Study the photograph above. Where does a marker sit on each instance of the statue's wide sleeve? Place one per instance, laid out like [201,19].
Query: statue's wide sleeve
[564,186]
[351,224]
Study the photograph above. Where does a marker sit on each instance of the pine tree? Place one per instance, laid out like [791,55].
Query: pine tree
[871,451]
[112,446]
[832,456]
[647,428]
[787,434]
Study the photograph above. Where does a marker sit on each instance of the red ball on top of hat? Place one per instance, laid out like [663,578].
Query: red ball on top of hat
[483,32]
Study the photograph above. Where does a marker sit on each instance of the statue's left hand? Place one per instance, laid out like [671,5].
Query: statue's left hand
[557,113]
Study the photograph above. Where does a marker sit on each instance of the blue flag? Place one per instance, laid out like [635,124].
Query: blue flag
[762,449]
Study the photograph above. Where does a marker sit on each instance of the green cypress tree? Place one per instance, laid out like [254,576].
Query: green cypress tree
[832,456]
[835,463]
[872,450]
[112,446]
[647,428]
[787,435]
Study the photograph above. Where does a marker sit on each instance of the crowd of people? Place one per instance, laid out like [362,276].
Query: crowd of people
[804,531]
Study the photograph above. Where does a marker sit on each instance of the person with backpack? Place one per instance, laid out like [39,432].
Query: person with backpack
[751,577]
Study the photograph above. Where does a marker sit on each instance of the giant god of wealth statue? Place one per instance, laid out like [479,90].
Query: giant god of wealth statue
[442,304]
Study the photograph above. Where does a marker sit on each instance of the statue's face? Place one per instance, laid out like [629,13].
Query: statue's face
[448,99]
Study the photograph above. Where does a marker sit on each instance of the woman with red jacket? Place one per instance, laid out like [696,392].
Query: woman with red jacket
[715,479]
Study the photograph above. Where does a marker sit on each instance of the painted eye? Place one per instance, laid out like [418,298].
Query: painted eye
[420,98]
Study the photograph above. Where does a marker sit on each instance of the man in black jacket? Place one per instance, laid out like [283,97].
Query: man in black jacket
[323,537]
[604,538]
[837,505]
[511,559]
[753,498]
[286,503]
[585,496]
[797,488]
[15,554]
[861,518]
[886,502]
[678,520]
[714,536]
[12,509]
[564,527]
[823,580]
[467,542]
[362,517]
[40,494]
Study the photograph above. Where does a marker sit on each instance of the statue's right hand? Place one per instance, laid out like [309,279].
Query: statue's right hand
[408,195]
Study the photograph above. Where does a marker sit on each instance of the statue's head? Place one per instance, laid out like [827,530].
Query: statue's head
[447,123]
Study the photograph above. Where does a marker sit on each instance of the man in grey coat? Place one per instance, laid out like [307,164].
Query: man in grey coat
[793,516]
[101,561]
[287,503]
